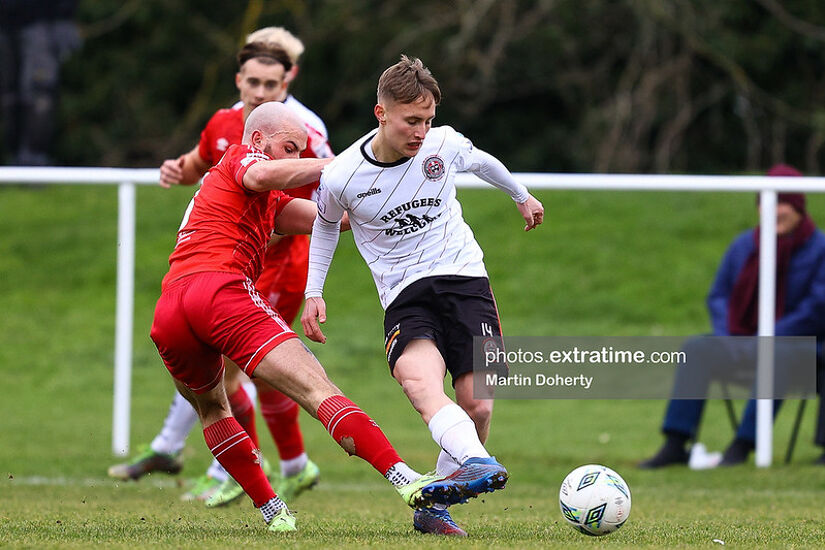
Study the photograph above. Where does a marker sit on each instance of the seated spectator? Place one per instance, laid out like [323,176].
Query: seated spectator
[733,307]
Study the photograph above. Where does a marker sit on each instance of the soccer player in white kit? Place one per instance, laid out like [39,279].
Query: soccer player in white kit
[397,185]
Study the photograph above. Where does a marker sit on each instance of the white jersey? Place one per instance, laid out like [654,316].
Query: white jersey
[405,218]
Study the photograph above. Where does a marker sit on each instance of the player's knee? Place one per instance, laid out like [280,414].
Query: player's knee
[187,394]
[414,388]
[211,409]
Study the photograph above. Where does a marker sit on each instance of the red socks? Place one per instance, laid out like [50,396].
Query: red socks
[281,416]
[357,433]
[233,448]
[244,412]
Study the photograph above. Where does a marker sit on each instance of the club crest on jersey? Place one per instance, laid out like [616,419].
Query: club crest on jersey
[433,167]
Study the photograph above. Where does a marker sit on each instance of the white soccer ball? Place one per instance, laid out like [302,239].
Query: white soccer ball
[594,500]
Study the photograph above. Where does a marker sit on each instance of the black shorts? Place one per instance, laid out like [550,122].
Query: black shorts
[449,310]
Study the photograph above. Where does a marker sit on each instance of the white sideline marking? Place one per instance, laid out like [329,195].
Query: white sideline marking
[62,481]
[161,483]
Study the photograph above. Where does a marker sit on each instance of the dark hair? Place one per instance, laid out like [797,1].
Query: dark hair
[267,54]
[406,81]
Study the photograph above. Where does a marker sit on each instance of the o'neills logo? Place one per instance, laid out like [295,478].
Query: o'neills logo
[433,167]
[373,191]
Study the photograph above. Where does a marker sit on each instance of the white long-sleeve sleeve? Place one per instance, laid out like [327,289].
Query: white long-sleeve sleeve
[491,170]
[321,250]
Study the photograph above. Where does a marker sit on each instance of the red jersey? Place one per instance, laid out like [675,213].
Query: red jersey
[225,128]
[226,227]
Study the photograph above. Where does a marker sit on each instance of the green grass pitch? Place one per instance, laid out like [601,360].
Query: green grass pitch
[604,264]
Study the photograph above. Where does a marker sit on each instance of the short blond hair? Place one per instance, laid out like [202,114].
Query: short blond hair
[279,36]
[406,81]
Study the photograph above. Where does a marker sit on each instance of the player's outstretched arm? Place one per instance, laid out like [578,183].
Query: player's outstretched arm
[268,175]
[490,169]
[315,313]
[532,211]
[325,233]
[297,217]
[187,169]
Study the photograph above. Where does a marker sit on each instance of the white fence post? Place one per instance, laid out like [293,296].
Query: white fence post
[767,318]
[124,317]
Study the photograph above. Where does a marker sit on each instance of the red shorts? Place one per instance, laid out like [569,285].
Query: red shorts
[284,277]
[202,316]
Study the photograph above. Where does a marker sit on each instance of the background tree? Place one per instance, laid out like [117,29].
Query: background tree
[695,86]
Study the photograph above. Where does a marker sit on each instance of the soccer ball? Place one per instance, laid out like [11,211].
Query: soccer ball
[594,500]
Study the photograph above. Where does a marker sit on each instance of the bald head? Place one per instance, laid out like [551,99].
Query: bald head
[276,130]
[272,118]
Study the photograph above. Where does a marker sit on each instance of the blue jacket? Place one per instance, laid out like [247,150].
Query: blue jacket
[805,294]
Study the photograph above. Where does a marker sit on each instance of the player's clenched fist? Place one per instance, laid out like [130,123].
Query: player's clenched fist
[532,211]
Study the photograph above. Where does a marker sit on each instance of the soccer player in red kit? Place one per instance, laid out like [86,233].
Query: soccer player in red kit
[265,70]
[210,308]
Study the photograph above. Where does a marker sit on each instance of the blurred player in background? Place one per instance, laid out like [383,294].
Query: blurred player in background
[259,80]
[209,308]
[397,186]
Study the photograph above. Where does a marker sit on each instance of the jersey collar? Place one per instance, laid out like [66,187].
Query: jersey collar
[371,160]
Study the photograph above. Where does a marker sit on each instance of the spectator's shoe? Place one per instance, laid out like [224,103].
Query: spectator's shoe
[228,491]
[436,522]
[429,490]
[283,522]
[289,488]
[479,475]
[736,453]
[146,462]
[820,460]
[205,486]
[668,455]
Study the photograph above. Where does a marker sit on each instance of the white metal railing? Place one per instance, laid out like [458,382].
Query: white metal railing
[126,179]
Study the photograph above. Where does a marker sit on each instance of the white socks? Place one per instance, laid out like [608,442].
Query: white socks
[400,474]
[445,465]
[455,432]
[216,471]
[293,466]
[178,423]
[271,508]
